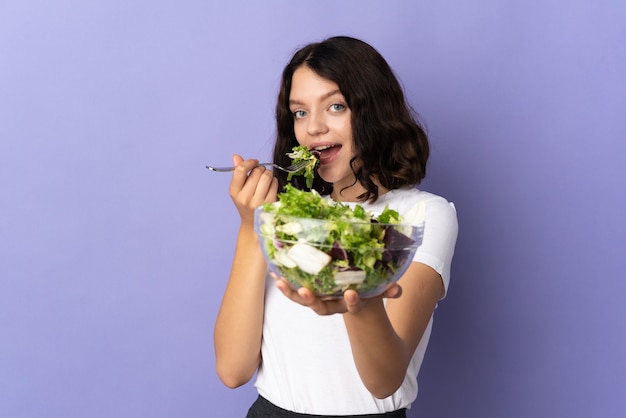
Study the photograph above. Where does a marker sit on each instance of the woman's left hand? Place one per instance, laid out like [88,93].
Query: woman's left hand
[351,302]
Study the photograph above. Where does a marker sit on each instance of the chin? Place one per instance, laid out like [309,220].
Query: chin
[331,177]
[325,175]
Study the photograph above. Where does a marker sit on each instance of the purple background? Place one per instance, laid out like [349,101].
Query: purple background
[115,241]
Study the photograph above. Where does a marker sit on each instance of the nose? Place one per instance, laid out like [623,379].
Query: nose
[316,124]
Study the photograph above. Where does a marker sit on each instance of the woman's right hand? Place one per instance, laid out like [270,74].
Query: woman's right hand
[239,325]
[251,186]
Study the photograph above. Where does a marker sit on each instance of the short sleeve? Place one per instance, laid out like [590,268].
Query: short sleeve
[440,234]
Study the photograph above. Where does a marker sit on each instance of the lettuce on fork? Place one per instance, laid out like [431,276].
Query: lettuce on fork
[300,154]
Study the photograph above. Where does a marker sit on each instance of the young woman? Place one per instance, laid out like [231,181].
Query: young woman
[350,356]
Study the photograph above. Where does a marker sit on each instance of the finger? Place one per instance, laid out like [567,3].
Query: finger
[273,191]
[307,297]
[245,183]
[237,159]
[244,165]
[240,174]
[394,291]
[352,300]
[263,191]
[260,187]
[282,286]
[322,306]
[285,288]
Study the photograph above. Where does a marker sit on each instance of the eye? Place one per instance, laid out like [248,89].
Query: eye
[337,107]
[299,114]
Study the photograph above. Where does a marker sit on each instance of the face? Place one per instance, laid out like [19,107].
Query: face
[322,122]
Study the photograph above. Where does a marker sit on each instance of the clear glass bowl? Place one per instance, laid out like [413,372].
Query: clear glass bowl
[308,252]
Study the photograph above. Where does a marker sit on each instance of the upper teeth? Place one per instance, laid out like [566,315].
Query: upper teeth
[323,147]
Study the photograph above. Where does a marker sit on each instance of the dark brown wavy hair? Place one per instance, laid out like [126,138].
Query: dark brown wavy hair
[390,143]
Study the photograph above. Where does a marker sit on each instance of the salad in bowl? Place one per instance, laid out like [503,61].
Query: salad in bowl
[330,247]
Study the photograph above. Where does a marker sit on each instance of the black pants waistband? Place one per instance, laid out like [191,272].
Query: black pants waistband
[262,408]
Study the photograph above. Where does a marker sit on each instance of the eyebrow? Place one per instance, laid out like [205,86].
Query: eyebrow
[322,98]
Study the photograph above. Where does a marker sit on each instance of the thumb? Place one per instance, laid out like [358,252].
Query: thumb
[237,159]
[394,291]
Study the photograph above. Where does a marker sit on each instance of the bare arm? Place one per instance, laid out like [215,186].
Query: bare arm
[239,324]
[382,338]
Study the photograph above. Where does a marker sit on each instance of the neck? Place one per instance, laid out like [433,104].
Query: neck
[351,193]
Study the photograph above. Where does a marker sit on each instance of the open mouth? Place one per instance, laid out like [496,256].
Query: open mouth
[326,153]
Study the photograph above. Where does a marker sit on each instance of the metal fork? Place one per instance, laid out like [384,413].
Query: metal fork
[291,169]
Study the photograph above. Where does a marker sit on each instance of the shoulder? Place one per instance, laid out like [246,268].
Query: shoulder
[440,217]
[404,199]
[439,212]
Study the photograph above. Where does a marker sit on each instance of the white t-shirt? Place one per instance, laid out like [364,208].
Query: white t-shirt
[307,364]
